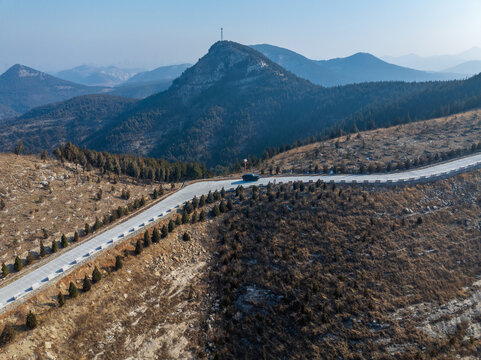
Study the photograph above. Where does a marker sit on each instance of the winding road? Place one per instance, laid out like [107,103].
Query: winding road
[20,289]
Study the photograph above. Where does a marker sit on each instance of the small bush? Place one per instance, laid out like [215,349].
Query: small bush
[5,270]
[7,335]
[87,285]
[118,262]
[165,231]
[96,275]
[147,239]
[42,249]
[186,237]
[138,247]
[60,299]
[31,321]
[155,235]
[18,265]
[216,210]
[54,246]
[30,258]
[72,290]
[64,241]
[171,225]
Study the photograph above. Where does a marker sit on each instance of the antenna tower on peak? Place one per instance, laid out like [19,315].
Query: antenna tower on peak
[221,34]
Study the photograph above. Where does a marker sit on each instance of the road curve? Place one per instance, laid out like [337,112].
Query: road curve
[10,294]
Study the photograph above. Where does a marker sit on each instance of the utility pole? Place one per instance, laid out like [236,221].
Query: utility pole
[221,34]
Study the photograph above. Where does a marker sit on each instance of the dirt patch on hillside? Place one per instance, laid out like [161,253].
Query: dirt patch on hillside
[152,308]
[45,199]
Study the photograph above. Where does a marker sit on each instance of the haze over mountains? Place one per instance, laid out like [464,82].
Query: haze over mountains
[97,75]
[16,99]
[435,63]
[357,68]
[23,88]
[234,102]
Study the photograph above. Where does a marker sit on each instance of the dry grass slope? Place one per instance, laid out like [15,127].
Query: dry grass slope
[395,144]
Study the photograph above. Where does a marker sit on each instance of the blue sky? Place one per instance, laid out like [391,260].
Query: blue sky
[52,35]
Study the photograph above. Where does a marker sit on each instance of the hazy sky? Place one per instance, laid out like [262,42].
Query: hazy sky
[56,34]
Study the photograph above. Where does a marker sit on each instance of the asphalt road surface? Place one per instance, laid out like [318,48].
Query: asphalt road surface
[50,271]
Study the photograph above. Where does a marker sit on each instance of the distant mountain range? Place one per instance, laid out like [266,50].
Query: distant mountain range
[19,93]
[468,68]
[435,63]
[151,82]
[161,73]
[97,75]
[357,68]
[23,88]
[233,103]
[47,126]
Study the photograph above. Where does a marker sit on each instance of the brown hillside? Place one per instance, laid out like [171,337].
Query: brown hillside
[413,141]
[305,272]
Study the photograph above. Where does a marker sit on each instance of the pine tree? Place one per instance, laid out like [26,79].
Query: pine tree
[155,235]
[216,210]
[42,249]
[5,270]
[31,322]
[202,201]
[19,148]
[155,194]
[30,258]
[97,224]
[171,225]
[223,206]
[138,247]
[222,193]
[87,285]
[7,335]
[18,265]
[202,216]
[64,241]
[118,262]
[60,299]
[195,202]
[87,229]
[96,276]
[142,201]
[193,220]
[75,236]
[165,231]
[72,290]
[239,189]
[178,220]
[185,217]
[147,239]
[230,205]
[216,195]
[210,198]
[54,246]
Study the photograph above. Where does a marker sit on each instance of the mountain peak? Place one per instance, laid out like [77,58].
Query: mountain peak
[22,71]
[225,63]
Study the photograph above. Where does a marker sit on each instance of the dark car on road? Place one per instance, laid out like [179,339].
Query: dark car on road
[250,177]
